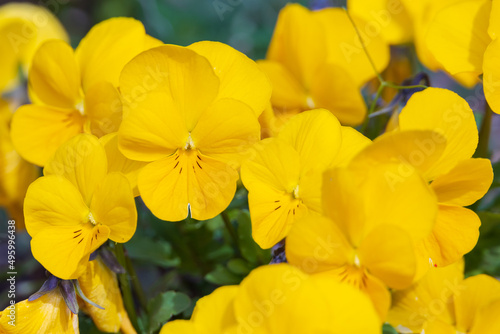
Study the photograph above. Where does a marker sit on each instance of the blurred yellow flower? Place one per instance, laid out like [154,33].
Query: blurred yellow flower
[370,226]
[76,91]
[284,175]
[315,60]
[444,303]
[76,207]
[281,299]
[192,119]
[23,28]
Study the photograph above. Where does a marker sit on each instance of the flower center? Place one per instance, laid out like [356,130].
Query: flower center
[92,219]
[310,102]
[295,192]
[80,107]
[189,143]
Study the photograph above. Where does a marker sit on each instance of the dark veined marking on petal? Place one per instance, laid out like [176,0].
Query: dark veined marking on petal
[176,164]
[277,208]
[199,165]
[277,201]
[77,235]
[293,210]
[177,157]
[77,231]
[194,170]
[198,157]
[180,171]
[80,241]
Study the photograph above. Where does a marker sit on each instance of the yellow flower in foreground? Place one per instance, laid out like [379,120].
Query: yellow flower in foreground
[315,60]
[284,175]
[371,225]
[16,174]
[23,28]
[76,207]
[444,303]
[47,314]
[193,126]
[457,179]
[279,299]
[100,285]
[76,91]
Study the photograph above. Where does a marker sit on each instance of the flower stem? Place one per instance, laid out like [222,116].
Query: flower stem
[230,228]
[128,299]
[484,134]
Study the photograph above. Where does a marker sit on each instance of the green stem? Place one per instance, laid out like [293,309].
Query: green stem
[125,285]
[373,105]
[136,284]
[484,134]
[230,228]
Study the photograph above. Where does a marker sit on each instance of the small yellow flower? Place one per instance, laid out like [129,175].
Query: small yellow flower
[192,120]
[444,303]
[76,91]
[284,176]
[76,207]
[315,60]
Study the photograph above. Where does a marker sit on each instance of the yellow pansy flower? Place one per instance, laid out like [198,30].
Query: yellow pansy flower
[100,285]
[23,28]
[76,207]
[76,91]
[444,303]
[455,177]
[315,60]
[46,314]
[284,175]
[273,293]
[16,174]
[192,119]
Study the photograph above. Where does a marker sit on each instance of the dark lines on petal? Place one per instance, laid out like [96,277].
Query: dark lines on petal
[277,208]
[80,241]
[177,157]
[77,235]
[180,171]
[176,164]
[198,157]
[199,164]
[77,231]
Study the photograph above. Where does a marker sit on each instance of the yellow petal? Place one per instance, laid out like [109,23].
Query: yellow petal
[353,142]
[494,28]
[466,183]
[344,46]
[486,321]
[113,205]
[100,285]
[316,136]
[388,254]
[226,131]
[178,75]
[316,244]
[82,160]
[240,78]
[445,112]
[215,312]
[389,18]
[379,295]
[55,76]
[103,106]
[107,47]
[491,75]
[47,314]
[439,327]
[180,327]
[288,92]
[117,162]
[428,299]
[9,57]
[334,89]
[38,131]
[458,36]
[476,292]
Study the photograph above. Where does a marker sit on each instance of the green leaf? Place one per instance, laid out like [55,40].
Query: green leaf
[239,267]
[222,276]
[158,252]
[249,249]
[164,306]
[388,329]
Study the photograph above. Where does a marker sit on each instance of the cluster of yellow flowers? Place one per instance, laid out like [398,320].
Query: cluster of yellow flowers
[374,231]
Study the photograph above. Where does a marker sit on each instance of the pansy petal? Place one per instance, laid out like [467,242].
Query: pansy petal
[103,107]
[288,93]
[334,89]
[226,131]
[47,314]
[315,135]
[486,320]
[379,295]
[388,254]
[82,160]
[107,47]
[491,75]
[180,327]
[37,131]
[439,327]
[240,78]
[54,75]
[458,36]
[113,205]
[177,74]
[345,49]
[9,60]
[466,183]
[216,311]
[445,112]
[353,142]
